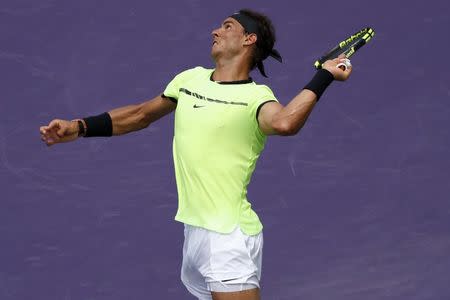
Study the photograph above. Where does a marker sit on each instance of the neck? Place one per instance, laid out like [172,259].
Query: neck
[231,70]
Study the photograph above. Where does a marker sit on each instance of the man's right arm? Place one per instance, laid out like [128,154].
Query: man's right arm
[139,116]
[124,120]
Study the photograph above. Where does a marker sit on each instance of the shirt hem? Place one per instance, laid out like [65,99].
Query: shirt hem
[246,231]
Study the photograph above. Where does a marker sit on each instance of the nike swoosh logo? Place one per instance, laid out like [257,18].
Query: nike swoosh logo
[226,280]
[197,106]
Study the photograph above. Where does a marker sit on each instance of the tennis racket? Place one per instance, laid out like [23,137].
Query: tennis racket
[348,47]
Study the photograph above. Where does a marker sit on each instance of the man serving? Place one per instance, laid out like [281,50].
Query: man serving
[222,120]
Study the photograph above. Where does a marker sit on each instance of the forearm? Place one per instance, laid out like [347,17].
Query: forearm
[127,119]
[293,116]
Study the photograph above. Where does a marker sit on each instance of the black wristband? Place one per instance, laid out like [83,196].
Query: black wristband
[320,82]
[100,125]
[81,130]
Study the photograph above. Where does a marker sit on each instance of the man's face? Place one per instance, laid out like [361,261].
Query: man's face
[228,39]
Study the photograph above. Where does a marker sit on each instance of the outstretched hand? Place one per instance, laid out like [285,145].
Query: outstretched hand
[59,131]
[338,73]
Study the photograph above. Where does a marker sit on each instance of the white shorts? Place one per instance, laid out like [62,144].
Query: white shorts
[220,262]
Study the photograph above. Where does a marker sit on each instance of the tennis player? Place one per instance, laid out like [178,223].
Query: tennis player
[222,120]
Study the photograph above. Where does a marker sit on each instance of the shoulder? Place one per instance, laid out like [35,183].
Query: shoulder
[193,72]
[264,89]
[260,88]
[262,92]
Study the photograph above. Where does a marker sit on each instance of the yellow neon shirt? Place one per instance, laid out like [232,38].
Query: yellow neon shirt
[216,144]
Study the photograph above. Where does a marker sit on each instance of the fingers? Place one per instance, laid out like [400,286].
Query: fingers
[341,67]
[48,141]
[52,133]
[55,124]
[43,129]
[59,131]
[339,58]
[49,137]
[52,125]
[344,64]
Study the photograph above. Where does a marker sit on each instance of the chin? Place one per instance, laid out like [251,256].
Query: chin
[214,54]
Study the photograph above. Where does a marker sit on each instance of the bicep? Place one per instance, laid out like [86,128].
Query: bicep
[157,108]
[265,117]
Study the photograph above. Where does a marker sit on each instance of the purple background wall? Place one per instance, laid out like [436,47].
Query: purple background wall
[355,207]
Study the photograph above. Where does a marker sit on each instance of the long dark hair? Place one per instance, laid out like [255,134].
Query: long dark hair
[266,38]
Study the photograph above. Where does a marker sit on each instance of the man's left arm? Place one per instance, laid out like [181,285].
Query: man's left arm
[274,118]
